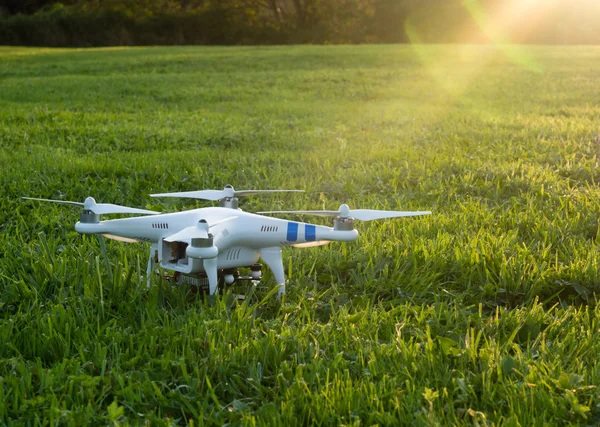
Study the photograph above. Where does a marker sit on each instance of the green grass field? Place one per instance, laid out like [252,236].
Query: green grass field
[484,313]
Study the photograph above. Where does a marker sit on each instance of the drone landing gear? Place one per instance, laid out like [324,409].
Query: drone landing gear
[152,261]
[226,279]
[272,257]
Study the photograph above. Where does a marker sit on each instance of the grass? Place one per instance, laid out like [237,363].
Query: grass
[484,313]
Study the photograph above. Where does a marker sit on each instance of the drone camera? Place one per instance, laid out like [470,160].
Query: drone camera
[256,271]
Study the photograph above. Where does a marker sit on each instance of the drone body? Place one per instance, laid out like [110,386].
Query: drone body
[206,246]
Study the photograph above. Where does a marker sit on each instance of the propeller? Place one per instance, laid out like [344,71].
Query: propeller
[98,208]
[198,231]
[360,214]
[227,192]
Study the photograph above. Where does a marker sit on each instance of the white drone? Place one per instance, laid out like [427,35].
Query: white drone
[206,246]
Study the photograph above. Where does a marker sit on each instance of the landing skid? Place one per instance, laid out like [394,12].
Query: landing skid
[198,282]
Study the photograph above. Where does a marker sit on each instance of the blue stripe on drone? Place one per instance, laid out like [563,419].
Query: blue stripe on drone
[310,233]
[292,231]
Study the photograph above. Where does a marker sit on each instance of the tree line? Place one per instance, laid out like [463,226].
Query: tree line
[160,22]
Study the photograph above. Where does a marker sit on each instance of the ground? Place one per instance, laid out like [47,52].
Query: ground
[483,313]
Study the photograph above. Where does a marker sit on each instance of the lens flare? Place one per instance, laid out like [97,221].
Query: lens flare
[498,26]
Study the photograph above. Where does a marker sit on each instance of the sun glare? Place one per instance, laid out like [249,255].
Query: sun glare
[504,26]
[512,21]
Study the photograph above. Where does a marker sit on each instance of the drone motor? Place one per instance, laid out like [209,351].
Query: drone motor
[229,202]
[88,217]
[341,223]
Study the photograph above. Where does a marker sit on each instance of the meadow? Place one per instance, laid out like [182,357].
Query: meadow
[484,313]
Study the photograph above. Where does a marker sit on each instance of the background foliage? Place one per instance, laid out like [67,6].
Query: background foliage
[158,22]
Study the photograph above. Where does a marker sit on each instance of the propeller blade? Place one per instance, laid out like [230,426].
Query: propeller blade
[312,244]
[371,214]
[109,208]
[221,221]
[99,208]
[201,194]
[199,231]
[250,192]
[215,195]
[360,214]
[188,233]
[65,202]
[317,213]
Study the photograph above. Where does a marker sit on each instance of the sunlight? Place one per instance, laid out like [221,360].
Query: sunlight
[505,26]
[507,20]
[514,21]
[502,24]
[529,21]
[437,62]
